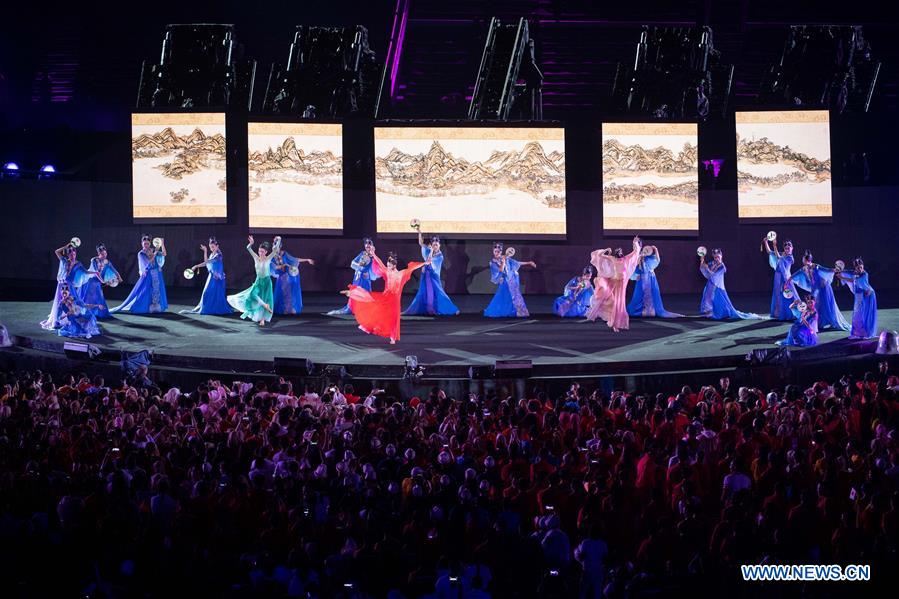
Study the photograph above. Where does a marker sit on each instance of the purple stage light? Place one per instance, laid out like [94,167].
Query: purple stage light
[48,169]
[714,164]
[398,50]
[10,166]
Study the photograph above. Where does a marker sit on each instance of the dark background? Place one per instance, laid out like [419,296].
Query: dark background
[69,77]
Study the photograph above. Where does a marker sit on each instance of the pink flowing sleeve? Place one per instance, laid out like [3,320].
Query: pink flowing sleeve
[378,267]
[630,263]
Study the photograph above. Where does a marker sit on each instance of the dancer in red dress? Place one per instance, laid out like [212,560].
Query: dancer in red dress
[378,312]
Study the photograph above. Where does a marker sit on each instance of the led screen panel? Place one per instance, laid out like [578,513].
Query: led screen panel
[178,166]
[471,181]
[295,176]
[783,164]
[650,177]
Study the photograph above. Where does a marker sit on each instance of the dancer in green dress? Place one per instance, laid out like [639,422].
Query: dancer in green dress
[256,302]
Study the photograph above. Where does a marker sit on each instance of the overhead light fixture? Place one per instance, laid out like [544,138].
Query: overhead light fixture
[10,171]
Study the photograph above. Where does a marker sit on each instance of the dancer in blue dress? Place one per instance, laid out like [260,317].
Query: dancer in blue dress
[576,296]
[365,270]
[715,302]
[647,298]
[431,299]
[507,302]
[148,295]
[214,299]
[781,263]
[70,275]
[817,280]
[288,292]
[864,311]
[92,290]
[804,332]
[76,319]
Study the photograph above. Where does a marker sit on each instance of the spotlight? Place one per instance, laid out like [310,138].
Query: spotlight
[10,170]
[48,169]
[713,165]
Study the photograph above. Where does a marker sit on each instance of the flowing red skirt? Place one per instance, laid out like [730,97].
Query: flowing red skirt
[376,312]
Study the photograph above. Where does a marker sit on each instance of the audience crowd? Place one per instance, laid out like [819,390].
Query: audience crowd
[116,489]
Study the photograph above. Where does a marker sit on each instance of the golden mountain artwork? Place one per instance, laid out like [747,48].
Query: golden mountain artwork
[289,163]
[439,172]
[764,151]
[192,153]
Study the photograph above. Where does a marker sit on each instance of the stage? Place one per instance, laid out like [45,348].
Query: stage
[446,346]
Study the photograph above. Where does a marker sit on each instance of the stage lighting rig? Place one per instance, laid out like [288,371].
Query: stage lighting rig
[509,83]
[199,66]
[331,72]
[676,73]
[823,66]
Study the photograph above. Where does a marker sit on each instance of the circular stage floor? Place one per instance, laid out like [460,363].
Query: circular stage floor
[448,346]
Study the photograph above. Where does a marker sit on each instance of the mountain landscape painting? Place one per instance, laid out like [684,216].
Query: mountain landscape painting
[471,180]
[650,177]
[178,166]
[783,164]
[295,176]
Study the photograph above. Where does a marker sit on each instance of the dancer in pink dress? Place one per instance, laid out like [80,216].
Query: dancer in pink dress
[614,270]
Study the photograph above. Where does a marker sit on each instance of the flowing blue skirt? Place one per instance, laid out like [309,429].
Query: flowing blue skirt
[828,312]
[864,316]
[503,305]
[636,307]
[147,297]
[568,307]
[214,299]
[780,305]
[288,294]
[431,299]
[723,308]
[92,293]
[80,326]
[800,335]
[52,320]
